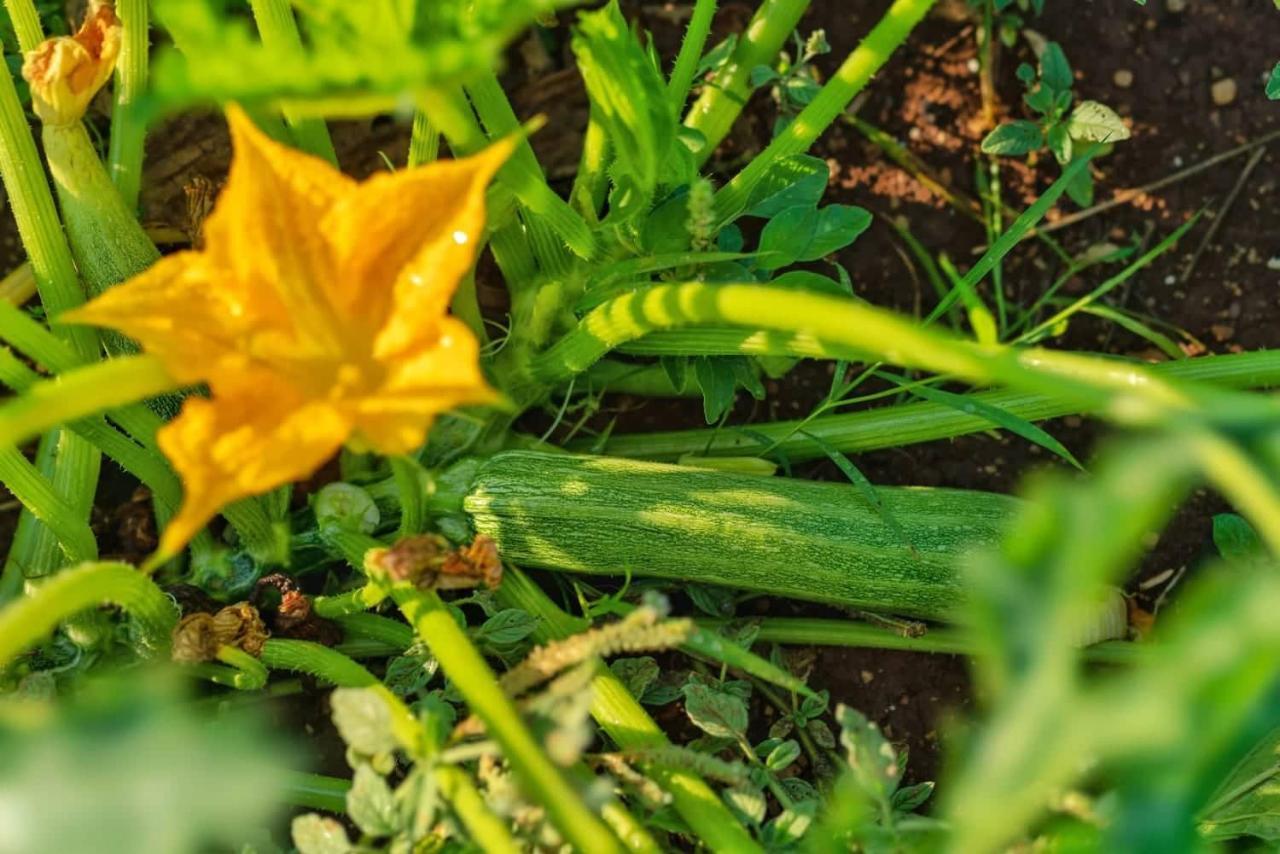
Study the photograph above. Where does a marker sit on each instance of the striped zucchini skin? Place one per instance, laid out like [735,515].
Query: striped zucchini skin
[821,542]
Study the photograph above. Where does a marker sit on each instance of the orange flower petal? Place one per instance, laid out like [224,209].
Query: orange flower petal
[176,313]
[404,240]
[265,233]
[243,444]
[66,72]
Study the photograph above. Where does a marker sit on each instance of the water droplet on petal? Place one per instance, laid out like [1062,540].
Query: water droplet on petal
[460,237]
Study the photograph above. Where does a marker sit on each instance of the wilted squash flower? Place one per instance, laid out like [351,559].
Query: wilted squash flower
[316,313]
[66,72]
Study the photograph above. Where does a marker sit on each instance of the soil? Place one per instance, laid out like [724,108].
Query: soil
[928,97]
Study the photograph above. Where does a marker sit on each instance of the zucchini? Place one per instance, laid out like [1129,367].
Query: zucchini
[822,542]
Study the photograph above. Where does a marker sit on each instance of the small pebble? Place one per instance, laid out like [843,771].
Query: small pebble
[1123,78]
[1273,263]
[1176,6]
[1224,91]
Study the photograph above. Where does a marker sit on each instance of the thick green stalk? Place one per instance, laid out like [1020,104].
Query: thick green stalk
[695,39]
[905,424]
[128,131]
[70,463]
[26,23]
[855,330]
[551,214]
[629,725]
[722,100]
[316,792]
[470,674]
[337,669]
[148,467]
[38,495]
[424,141]
[24,622]
[853,75]
[279,32]
[807,631]
[109,244]
[82,392]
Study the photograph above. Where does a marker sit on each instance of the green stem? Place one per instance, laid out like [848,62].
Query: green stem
[128,131]
[852,76]
[279,32]
[854,330]
[316,791]
[24,622]
[552,215]
[905,424]
[40,498]
[81,392]
[424,142]
[695,39]
[629,725]
[470,674]
[487,831]
[722,100]
[409,483]
[809,631]
[26,23]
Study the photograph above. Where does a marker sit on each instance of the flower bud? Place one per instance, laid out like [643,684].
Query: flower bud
[66,72]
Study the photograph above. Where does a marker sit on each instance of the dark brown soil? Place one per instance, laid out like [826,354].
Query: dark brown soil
[928,97]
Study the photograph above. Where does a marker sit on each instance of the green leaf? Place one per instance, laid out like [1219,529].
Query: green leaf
[1041,99]
[799,180]
[783,755]
[1055,71]
[804,280]
[873,760]
[1273,85]
[410,674]
[910,798]
[785,236]
[628,97]
[717,713]
[718,378]
[1096,122]
[316,834]
[1013,139]
[370,803]
[507,627]
[999,417]
[1080,187]
[1248,801]
[363,720]
[1235,538]
[837,227]
[748,802]
[1060,143]
[636,673]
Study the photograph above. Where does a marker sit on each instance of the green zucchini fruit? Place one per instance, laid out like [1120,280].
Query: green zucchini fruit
[822,542]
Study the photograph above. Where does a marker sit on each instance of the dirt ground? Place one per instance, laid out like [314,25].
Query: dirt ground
[1155,65]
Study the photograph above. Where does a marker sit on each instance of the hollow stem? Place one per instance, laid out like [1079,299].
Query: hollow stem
[853,75]
[279,32]
[695,40]
[629,725]
[27,620]
[854,330]
[722,100]
[471,675]
[911,423]
[82,392]
[128,131]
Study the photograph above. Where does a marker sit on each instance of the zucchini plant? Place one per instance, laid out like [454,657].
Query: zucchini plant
[318,317]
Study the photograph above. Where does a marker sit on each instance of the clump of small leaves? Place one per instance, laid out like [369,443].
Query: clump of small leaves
[1064,131]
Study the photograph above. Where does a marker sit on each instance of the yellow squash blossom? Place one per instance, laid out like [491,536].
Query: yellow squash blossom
[316,314]
[66,72]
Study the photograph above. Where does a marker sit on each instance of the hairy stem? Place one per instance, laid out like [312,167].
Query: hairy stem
[128,131]
[24,622]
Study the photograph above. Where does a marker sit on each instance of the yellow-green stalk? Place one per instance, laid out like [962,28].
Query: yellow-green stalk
[65,74]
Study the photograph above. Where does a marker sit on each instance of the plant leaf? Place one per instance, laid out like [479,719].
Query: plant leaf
[1096,122]
[717,713]
[1014,139]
